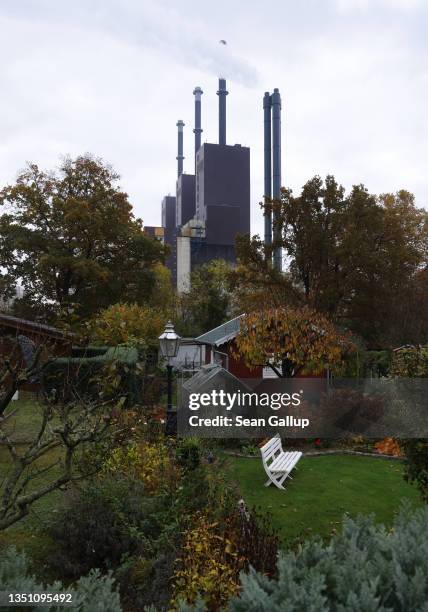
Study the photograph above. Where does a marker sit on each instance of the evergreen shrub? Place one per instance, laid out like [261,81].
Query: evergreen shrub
[91,593]
[365,567]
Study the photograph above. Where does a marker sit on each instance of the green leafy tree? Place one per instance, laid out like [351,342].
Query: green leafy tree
[409,312]
[412,362]
[355,257]
[207,304]
[71,238]
[255,282]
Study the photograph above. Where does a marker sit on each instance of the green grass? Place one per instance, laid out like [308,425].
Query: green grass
[323,489]
[26,421]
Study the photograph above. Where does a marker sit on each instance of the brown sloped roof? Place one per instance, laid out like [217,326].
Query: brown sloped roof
[32,326]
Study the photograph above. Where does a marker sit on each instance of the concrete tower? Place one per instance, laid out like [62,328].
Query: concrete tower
[222,93]
[276,168]
[180,156]
[197,92]
[267,109]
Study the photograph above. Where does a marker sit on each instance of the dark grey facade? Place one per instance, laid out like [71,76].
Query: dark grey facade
[168,212]
[201,252]
[169,223]
[185,199]
[223,193]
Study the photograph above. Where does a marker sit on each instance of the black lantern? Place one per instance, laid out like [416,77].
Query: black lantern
[169,342]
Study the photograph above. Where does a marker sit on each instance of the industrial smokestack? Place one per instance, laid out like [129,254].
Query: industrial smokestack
[180,156]
[197,92]
[222,93]
[267,108]
[276,168]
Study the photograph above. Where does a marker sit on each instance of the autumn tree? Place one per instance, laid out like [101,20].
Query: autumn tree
[127,324]
[355,257]
[410,311]
[207,303]
[290,340]
[72,240]
[255,283]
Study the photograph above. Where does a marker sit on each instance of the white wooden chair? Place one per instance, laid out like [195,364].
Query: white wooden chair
[277,463]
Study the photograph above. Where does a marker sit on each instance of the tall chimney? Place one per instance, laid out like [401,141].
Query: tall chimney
[267,108]
[197,92]
[222,93]
[276,168]
[180,156]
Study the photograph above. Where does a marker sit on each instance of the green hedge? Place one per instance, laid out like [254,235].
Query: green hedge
[377,363]
[364,364]
[80,372]
[88,351]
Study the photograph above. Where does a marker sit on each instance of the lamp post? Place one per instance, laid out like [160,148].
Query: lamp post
[169,342]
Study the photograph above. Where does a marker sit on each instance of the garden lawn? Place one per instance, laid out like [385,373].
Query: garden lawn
[323,489]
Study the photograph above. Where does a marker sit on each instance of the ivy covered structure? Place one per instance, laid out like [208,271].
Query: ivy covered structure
[82,371]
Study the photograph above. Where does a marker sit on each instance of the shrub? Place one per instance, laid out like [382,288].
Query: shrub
[108,519]
[91,593]
[214,554]
[189,453]
[207,567]
[207,489]
[376,363]
[388,446]
[254,539]
[363,568]
[410,362]
[147,582]
[201,490]
[416,464]
[249,449]
[150,463]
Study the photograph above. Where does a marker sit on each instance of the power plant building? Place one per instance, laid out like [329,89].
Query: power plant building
[185,198]
[200,223]
[212,206]
[223,192]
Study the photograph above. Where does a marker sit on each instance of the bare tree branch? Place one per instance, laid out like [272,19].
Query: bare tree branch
[65,427]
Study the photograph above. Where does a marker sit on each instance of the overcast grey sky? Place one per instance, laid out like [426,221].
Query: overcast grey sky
[112,77]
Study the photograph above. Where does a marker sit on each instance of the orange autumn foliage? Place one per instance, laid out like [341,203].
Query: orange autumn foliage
[302,337]
[389,446]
